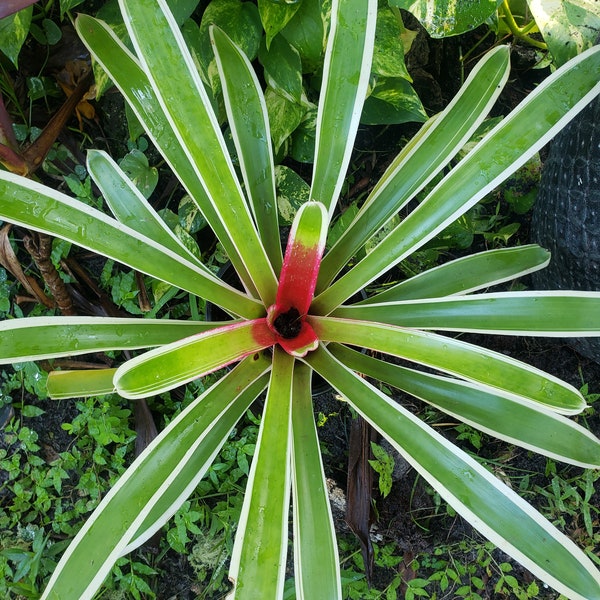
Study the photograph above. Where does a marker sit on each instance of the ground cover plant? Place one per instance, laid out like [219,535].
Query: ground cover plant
[292,316]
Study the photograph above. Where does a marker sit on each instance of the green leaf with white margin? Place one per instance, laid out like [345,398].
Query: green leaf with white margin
[346,74]
[467,274]
[316,560]
[504,416]
[42,338]
[499,154]
[133,83]
[162,51]
[549,314]
[248,120]
[191,473]
[128,204]
[423,157]
[81,383]
[172,365]
[483,500]
[444,18]
[258,562]
[568,26]
[29,204]
[184,450]
[455,357]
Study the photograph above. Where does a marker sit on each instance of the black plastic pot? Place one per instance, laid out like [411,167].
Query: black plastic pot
[566,215]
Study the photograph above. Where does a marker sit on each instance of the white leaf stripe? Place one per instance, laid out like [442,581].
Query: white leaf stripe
[49,211]
[42,338]
[478,496]
[504,415]
[130,207]
[455,357]
[127,74]
[186,106]
[96,538]
[334,135]
[469,181]
[424,156]
[548,313]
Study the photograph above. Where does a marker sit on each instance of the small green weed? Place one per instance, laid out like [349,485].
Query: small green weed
[25,563]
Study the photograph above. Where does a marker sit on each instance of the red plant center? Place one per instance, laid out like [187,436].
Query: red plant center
[288,324]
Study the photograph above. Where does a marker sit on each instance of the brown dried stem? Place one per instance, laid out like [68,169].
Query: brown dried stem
[39,246]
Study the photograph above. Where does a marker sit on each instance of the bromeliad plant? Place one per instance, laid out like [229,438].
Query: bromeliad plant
[294,315]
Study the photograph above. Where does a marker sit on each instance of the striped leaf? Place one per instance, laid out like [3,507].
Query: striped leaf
[41,338]
[82,383]
[499,154]
[346,72]
[172,365]
[126,72]
[456,357]
[129,206]
[316,560]
[483,500]
[248,120]
[184,450]
[422,158]
[29,204]
[557,314]
[162,51]
[467,274]
[258,562]
[502,415]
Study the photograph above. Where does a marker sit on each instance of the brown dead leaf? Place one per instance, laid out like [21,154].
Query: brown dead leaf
[10,262]
[69,78]
[359,489]
[37,150]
